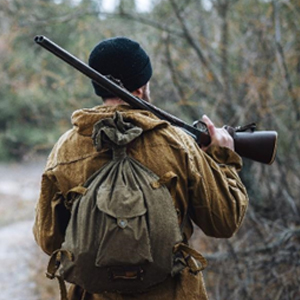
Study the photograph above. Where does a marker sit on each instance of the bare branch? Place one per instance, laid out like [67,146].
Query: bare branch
[148,21]
[195,46]
[174,73]
[35,20]
[223,9]
[291,91]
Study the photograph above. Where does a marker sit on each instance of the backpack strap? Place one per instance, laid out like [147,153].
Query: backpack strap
[185,255]
[72,194]
[194,260]
[53,267]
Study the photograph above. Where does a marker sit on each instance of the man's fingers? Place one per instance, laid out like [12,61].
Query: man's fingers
[219,136]
[210,125]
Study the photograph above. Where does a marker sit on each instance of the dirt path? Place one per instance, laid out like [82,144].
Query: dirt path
[16,256]
[22,263]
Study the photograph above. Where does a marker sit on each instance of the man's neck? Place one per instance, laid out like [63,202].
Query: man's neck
[114,102]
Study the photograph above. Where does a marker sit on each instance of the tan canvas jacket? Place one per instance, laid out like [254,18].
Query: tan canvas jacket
[208,187]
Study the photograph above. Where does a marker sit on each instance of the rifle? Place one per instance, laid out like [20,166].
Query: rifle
[259,146]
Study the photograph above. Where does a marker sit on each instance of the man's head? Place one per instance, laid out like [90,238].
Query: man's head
[122,59]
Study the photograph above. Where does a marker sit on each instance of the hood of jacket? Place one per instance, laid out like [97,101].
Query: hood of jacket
[83,120]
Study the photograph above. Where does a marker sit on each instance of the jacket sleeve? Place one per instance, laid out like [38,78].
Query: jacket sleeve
[218,198]
[51,215]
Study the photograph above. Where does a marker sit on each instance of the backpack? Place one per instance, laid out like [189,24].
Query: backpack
[123,235]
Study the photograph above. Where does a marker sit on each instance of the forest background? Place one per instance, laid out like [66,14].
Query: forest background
[237,61]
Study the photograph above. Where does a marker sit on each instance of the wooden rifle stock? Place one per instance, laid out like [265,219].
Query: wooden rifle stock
[259,146]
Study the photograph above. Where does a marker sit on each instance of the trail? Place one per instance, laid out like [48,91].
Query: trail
[22,263]
[16,259]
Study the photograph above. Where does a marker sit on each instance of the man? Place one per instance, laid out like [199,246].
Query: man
[208,188]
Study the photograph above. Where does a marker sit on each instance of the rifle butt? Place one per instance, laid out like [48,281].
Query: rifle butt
[259,146]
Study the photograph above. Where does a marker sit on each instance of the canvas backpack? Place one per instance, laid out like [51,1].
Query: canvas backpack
[123,235]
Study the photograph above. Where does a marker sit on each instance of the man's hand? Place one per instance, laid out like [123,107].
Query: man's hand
[219,136]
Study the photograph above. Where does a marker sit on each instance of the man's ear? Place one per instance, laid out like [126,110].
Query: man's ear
[138,92]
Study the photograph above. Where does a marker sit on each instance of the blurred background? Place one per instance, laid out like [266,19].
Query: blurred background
[237,61]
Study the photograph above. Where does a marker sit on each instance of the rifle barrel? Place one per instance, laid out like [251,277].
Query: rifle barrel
[120,92]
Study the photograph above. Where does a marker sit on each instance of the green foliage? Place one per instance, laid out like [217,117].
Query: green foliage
[39,92]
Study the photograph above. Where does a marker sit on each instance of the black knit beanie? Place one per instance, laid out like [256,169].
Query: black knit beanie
[123,59]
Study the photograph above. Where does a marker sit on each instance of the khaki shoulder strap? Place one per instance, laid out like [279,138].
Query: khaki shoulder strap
[53,267]
[194,260]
